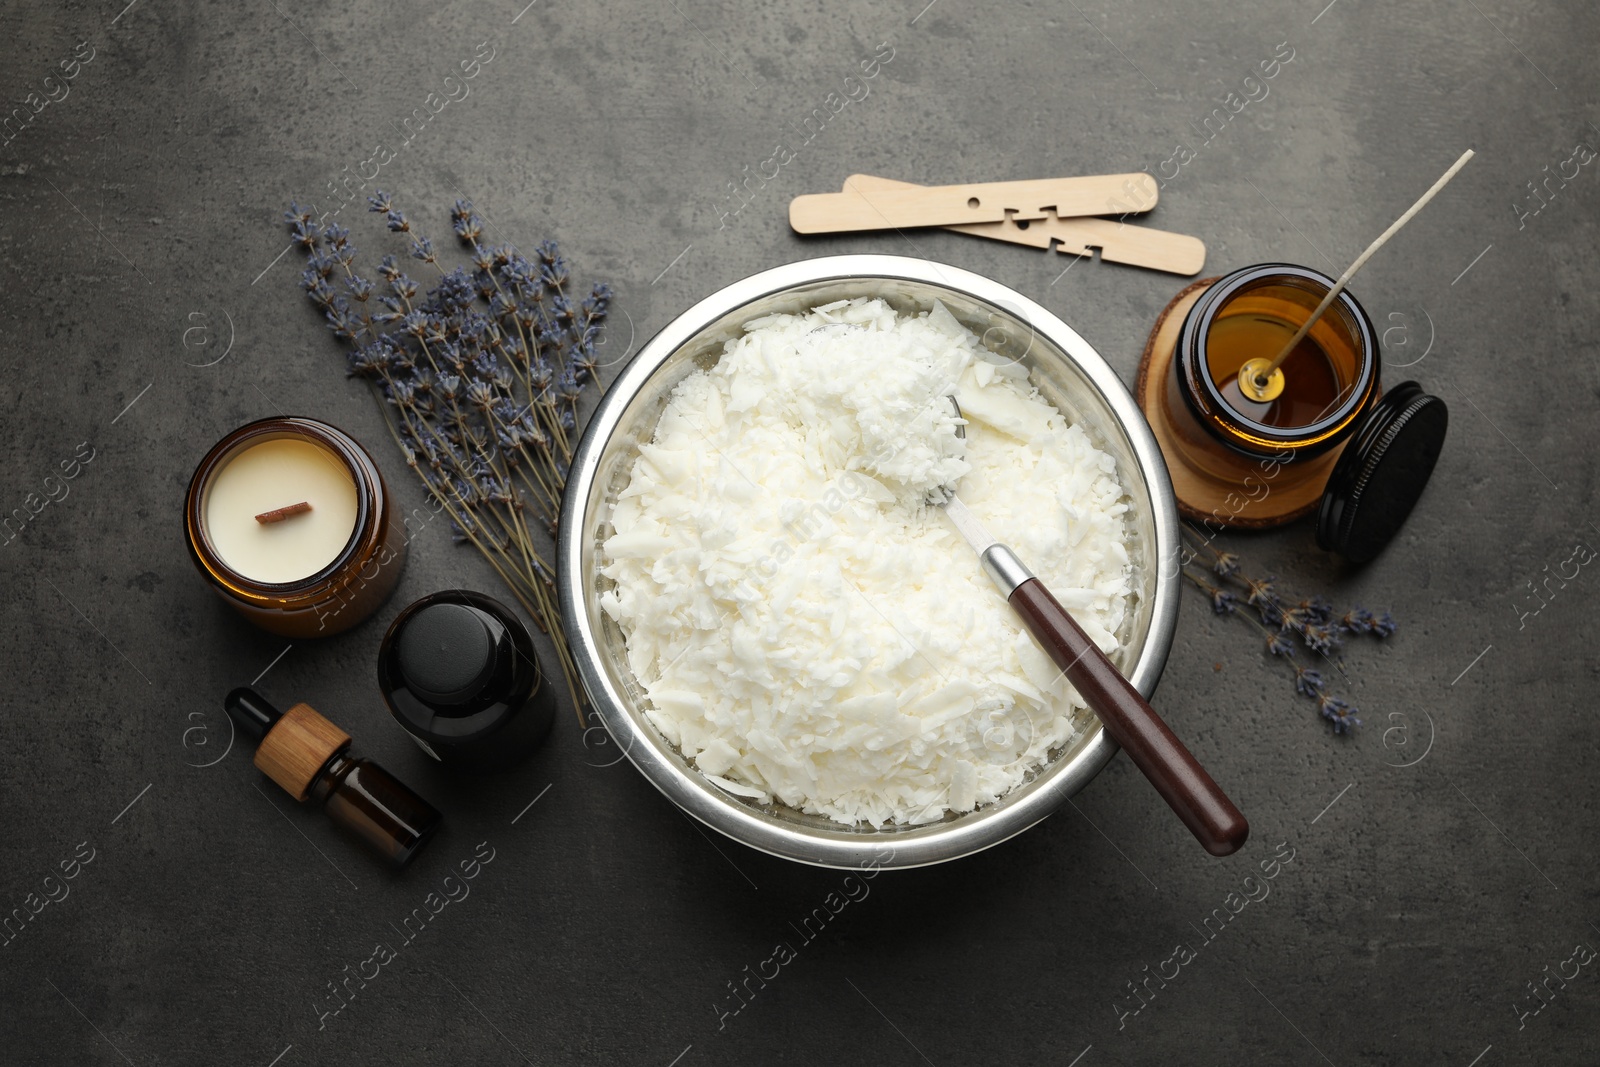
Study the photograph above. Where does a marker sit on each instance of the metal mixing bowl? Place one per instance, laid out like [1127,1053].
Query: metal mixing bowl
[1063,367]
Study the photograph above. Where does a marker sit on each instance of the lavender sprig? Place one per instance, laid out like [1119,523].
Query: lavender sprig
[1287,626]
[480,379]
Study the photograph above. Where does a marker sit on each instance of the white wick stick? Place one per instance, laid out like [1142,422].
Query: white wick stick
[1361,260]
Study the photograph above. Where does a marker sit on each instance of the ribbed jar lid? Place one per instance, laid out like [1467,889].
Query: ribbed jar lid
[1381,474]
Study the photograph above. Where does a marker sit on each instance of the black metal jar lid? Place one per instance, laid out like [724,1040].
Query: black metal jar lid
[1382,472]
[446,654]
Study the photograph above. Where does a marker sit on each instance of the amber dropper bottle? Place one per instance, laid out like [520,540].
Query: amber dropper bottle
[307,755]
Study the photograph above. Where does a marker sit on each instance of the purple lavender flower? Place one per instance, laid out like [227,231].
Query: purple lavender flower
[1323,639]
[1266,602]
[467,226]
[485,364]
[514,352]
[361,362]
[1361,621]
[1315,611]
[564,313]
[567,383]
[304,233]
[540,375]
[403,287]
[395,311]
[480,395]
[345,326]
[1342,716]
[1357,620]
[317,288]
[585,364]
[1308,682]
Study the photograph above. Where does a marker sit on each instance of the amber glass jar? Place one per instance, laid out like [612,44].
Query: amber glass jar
[1331,377]
[333,597]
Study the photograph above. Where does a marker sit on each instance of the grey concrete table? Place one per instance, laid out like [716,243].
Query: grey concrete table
[1443,868]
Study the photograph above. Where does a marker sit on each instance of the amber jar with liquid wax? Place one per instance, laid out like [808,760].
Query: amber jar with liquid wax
[1330,378]
[1331,441]
[288,576]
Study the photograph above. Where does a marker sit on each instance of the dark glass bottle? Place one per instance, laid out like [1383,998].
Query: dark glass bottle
[308,756]
[459,674]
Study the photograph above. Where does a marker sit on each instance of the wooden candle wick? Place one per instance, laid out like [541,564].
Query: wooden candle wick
[1260,372]
[279,514]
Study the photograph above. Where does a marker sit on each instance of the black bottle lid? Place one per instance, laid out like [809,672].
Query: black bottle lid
[1382,472]
[459,673]
[446,654]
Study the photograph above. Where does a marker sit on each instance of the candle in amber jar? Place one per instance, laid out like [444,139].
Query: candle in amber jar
[274,476]
[288,519]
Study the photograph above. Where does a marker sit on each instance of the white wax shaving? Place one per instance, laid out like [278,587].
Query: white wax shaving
[807,628]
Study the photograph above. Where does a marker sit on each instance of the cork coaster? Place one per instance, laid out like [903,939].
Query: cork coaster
[1282,493]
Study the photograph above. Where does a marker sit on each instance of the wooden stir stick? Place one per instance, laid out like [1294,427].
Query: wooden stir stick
[1138,246]
[1262,379]
[943,205]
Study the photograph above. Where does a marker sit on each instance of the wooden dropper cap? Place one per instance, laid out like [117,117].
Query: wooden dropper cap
[295,744]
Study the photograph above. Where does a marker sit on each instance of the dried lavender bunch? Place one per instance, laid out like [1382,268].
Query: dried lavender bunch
[479,380]
[1288,626]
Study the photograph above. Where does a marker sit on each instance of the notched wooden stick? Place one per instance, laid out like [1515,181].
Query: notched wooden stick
[854,209]
[1118,241]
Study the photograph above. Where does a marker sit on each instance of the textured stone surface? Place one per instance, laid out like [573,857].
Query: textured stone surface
[608,928]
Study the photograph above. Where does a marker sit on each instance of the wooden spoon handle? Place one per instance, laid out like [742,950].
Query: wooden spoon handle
[1133,723]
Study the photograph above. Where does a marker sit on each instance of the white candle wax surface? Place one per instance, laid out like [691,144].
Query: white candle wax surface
[274,474]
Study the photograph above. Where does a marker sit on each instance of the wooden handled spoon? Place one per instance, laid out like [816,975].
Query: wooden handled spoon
[1132,723]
